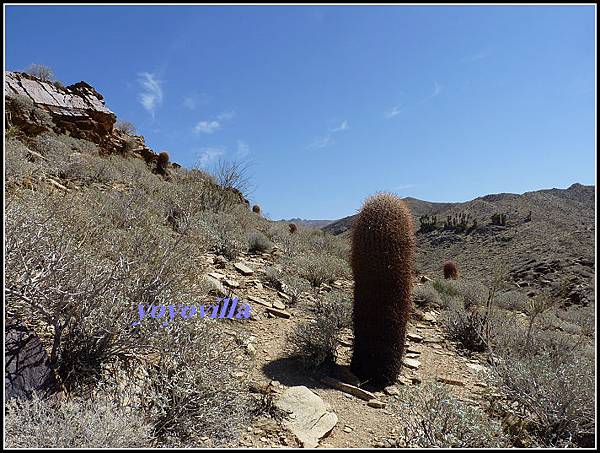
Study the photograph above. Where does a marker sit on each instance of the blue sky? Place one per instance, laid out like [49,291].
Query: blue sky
[332,104]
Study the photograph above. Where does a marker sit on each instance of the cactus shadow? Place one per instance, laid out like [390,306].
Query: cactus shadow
[291,373]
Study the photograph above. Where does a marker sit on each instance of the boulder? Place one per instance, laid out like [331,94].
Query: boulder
[310,418]
[27,366]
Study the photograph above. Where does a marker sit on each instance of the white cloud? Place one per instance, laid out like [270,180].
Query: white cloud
[209,155]
[392,112]
[207,127]
[242,149]
[152,95]
[342,127]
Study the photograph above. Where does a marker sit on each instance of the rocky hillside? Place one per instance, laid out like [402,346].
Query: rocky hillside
[554,250]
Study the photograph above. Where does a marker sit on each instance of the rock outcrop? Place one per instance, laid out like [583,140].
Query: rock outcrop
[77,110]
[35,106]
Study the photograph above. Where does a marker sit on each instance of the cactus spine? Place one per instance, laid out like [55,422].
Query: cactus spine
[382,263]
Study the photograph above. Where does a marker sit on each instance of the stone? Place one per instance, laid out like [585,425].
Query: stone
[411,363]
[429,317]
[232,283]
[284,296]
[258,300]
[347,388]
[414,337]
[216,275]
[391,390]
[279,313]
[27,366]
[279,305]
[376,404]
[313,418]
[243,269]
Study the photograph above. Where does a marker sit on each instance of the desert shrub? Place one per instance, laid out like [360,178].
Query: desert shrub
[125,127]
[273,277]
[258,243]
[430,417]
[83,278]
[234,175]
[294,286]
[315,343]
[512,301]
[549,378]
[223,234]
[90,169]
[18,162]
[193,387]
[446,288]
[74,423]
[318,268]
[467,327]
[42,72]
[426,296]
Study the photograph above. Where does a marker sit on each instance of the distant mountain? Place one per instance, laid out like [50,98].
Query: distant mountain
[555,248]
[309,223]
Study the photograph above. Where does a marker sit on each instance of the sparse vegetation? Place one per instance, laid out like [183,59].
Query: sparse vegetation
[42,72]
[430,417]
[126,127]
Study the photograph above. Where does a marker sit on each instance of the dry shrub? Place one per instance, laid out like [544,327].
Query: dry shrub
[430,417]
[74,423]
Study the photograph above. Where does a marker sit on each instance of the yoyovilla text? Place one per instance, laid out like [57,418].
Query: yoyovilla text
[225,308]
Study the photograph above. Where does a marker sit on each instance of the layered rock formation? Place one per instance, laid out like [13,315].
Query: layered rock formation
[35,106]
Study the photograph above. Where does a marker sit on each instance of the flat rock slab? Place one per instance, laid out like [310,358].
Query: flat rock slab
[260,301]
[414,337]
[310,418]
[279,305]
[279,313]
[243,269]
[349,389]
[450,381]
[411,363]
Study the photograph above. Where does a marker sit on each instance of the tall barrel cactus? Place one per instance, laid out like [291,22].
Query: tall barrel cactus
[382,263]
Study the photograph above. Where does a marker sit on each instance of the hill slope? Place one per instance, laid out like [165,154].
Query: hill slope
[554,250]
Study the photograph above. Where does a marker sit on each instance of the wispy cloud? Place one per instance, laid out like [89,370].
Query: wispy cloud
[437,89]
[210,126]
[152,95]
[342,127]
[225,116]
[327,140]
[189,102]
[242,149]
[322,142]
[207,127]
[392,112]
[209,155]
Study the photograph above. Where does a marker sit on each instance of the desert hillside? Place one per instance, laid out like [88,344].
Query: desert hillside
[553,249]
[121,329]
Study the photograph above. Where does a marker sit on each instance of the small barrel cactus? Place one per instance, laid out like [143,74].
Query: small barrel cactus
[450,270]
[256,209]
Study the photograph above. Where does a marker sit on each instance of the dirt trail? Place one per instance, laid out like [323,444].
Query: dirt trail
[358,424]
